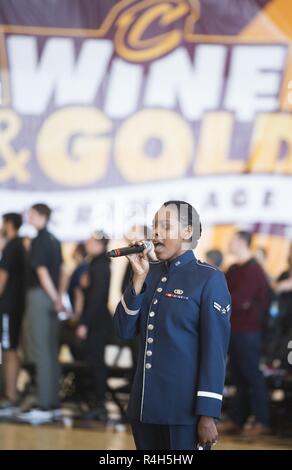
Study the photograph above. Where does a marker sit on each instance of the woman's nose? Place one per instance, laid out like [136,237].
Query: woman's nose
[155,234]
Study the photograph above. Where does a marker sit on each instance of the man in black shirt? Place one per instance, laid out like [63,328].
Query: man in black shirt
[95,322]
[43,304]
[12,295]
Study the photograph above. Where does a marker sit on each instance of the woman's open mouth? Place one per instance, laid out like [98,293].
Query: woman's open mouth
[158,246]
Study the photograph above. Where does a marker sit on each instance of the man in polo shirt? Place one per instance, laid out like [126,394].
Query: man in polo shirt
[43,304]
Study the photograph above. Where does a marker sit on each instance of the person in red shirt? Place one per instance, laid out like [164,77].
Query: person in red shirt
[249,291]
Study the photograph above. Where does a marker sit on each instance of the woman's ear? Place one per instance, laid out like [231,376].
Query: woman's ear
[188,233]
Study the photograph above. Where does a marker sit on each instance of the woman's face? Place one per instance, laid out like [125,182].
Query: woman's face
[169,236]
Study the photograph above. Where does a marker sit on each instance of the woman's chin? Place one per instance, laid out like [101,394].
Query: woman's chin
[161,253]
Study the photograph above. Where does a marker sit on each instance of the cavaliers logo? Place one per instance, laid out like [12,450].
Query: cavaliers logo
[144,30]
[148,29]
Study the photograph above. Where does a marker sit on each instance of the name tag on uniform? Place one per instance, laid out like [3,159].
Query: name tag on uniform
[176,296]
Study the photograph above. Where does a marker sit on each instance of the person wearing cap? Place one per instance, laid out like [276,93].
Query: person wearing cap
[95,322]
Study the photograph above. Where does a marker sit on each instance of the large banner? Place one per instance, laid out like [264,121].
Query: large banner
[109,108]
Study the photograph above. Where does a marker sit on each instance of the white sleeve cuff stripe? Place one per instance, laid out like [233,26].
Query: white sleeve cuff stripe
[217,396]
[127,310]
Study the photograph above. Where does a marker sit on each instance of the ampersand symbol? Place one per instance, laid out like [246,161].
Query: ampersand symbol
[14,162]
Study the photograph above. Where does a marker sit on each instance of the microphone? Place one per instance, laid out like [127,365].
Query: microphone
[129,250]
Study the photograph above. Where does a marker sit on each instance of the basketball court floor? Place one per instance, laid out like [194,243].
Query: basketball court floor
[99,437]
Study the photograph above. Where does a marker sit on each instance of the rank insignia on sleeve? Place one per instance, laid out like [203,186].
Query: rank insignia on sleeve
[221,309]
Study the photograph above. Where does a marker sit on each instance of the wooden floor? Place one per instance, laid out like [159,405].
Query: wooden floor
[23,437]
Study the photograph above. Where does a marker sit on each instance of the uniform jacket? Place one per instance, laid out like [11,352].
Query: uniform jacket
[182,317]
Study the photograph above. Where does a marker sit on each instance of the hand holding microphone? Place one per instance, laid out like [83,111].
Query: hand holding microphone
[137,255]
[134,247]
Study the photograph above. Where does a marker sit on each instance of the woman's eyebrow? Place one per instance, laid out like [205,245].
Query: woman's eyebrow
[162,222]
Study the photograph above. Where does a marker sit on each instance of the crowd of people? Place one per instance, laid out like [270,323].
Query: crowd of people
[34,293]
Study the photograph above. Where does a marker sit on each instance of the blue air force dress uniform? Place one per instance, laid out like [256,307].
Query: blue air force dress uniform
[183,319]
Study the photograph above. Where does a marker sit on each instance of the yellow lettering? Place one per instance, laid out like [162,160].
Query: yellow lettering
[175,152]
[271,132]
[72,148]
[14,162]
[213,148]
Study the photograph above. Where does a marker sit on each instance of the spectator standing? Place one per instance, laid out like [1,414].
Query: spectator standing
[12,303]
[95,323]
[249,291]
[43,304]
